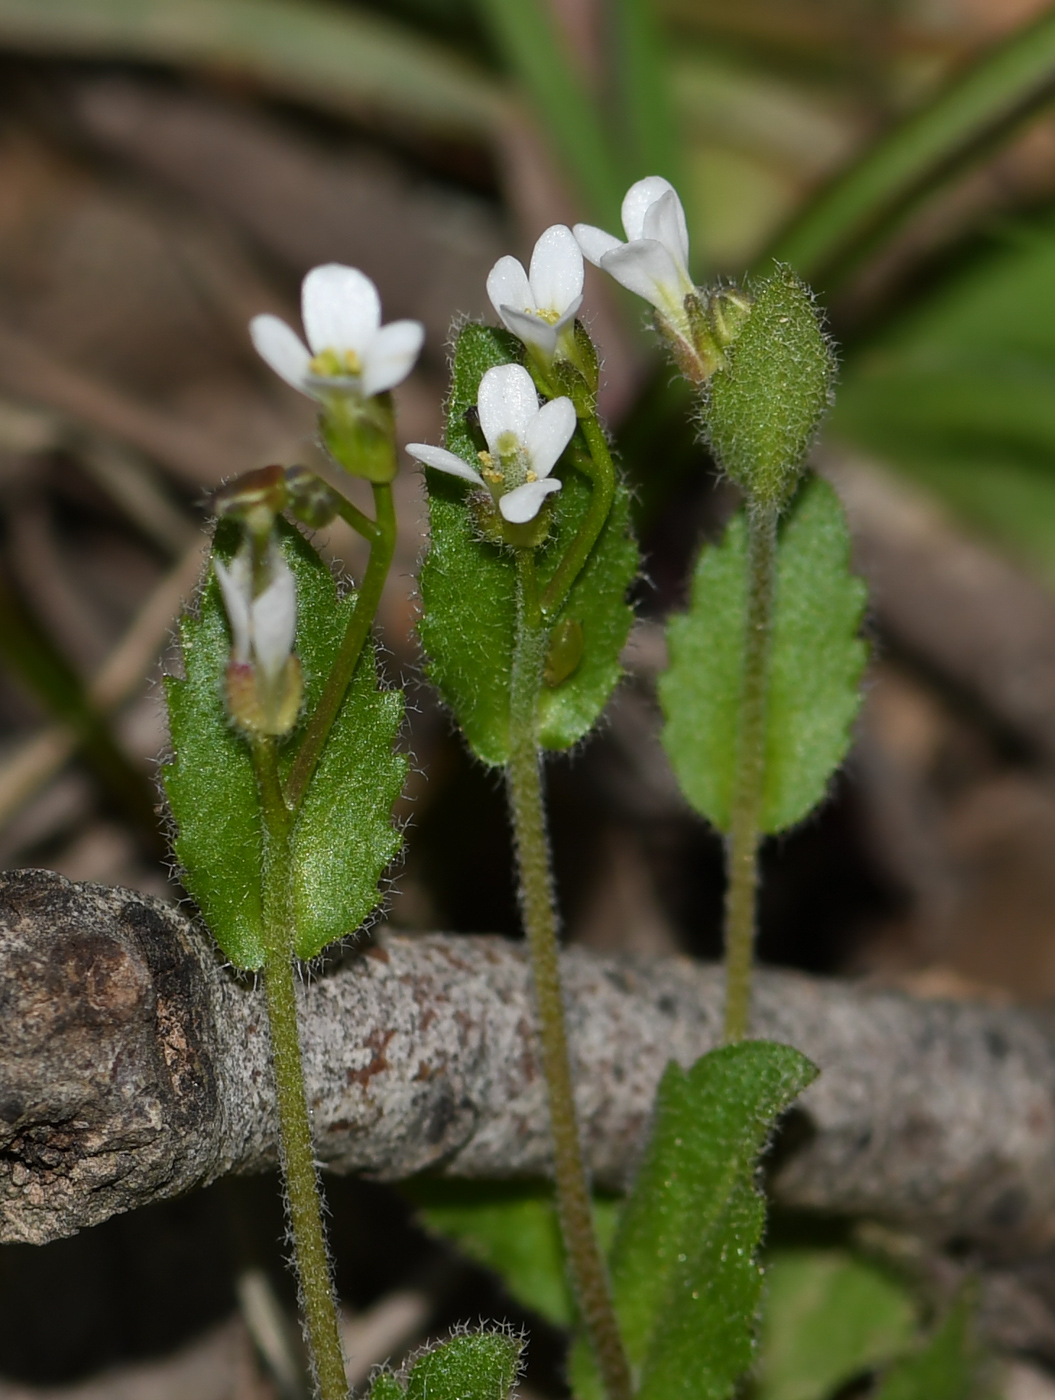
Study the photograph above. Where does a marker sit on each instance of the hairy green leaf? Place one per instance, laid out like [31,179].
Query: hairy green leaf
[386,1386]
[468,587]
[828,1316]
[472,1366]
[343,837]
[946,1367]
[685,1277]
[816,664]
[512,1229]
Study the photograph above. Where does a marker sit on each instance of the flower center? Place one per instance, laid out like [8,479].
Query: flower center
[334,364]
[509,466]
[548,314]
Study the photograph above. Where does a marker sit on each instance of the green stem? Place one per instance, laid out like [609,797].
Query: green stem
[524,784]
[297,1150]
[602,477]
[382,537]
[745,825]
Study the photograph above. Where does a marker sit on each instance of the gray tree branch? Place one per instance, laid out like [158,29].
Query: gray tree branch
[133,1067]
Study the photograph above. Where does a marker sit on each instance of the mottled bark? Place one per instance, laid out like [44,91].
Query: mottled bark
[133,1067]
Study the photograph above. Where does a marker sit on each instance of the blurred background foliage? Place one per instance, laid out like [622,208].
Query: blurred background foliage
[170,167]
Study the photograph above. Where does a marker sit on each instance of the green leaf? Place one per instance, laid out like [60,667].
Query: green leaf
[643,104]
[343,837]
[472,1366]
[828,1316]
[916,157]
[816,664]
[945,1368]
[685,1279]
[386,1386]
[468,588]
[512,1229]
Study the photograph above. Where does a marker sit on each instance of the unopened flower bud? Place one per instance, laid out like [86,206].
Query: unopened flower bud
[765,403]
[311,500]
[254,499]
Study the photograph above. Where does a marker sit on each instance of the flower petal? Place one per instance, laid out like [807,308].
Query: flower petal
[665,222]
[507,285]
[235,582]
[340,307]
[282,348]
[647,268]
[507,402]
[549,434]
[637,201]
[522,504]
[390,356]
[556,269]
[443,461]
[594,242]
[274,615]
[532,330]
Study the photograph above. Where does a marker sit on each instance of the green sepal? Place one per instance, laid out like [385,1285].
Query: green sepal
[470,1366]
[765,402]
[829,1316]
[343,837]
[513,1229]
[468,586]
[686,1281]
[816,664]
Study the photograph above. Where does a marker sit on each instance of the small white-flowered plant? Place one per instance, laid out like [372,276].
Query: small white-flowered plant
[350,353]
[524,443]
[654,261]
[539,305]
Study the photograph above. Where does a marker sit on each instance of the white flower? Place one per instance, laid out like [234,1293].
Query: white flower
[540,305]
[262,627]
[524,443]
[351,352]
[654,262]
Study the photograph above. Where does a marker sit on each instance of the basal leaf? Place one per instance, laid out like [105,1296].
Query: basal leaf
[512,1229]
[816,664]
[685,1278]
[468,587]
[472,1366]
[344,837]
[828,1316]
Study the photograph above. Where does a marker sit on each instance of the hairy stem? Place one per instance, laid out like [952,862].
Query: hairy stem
[741,892]
[382,536]
[297,1150]
[524,785]
[600,468]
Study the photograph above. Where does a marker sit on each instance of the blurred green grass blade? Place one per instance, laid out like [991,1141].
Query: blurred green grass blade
[999,89]
[643,103]
[525,35]
[338,58]
[28,651]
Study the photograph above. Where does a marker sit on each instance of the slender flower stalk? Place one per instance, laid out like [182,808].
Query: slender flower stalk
[381,535]
[741,894]
[297,1151]
[524,787]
